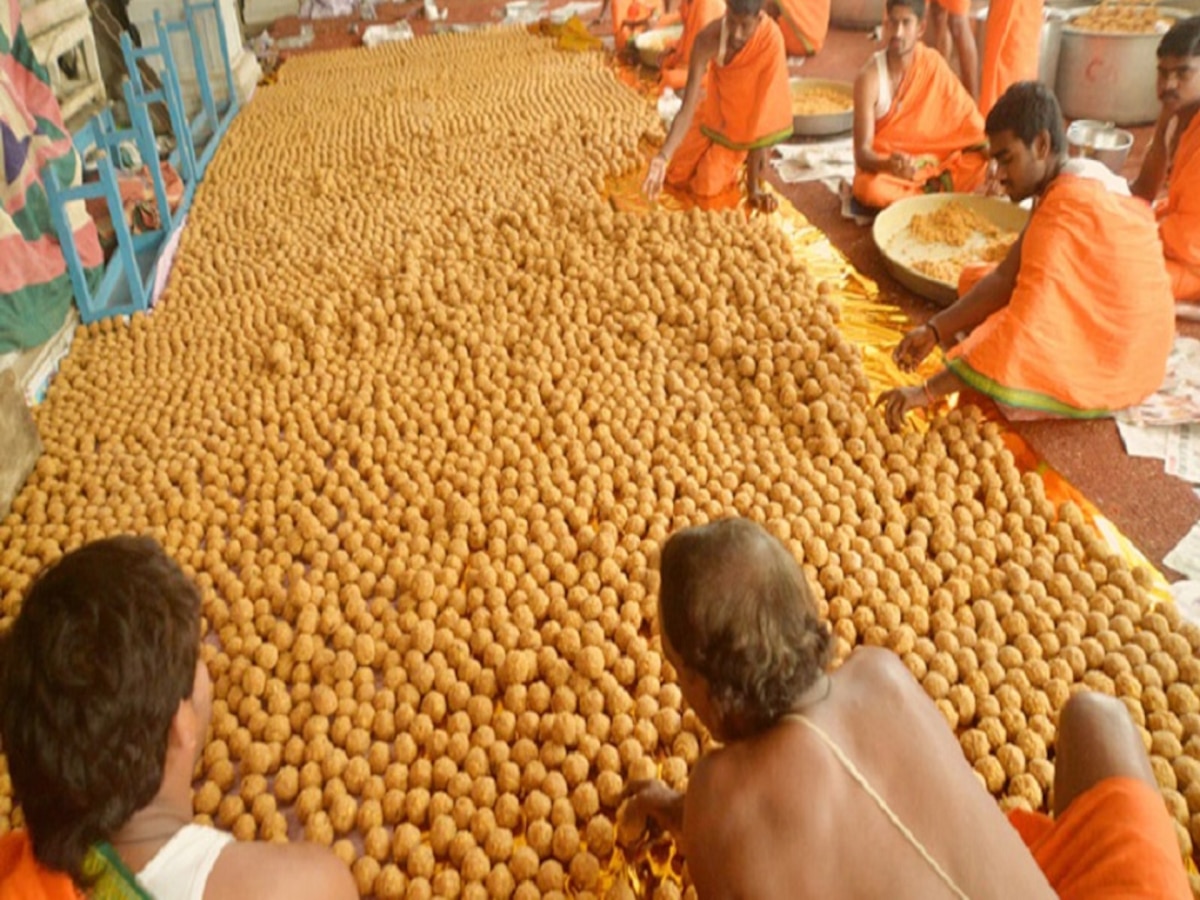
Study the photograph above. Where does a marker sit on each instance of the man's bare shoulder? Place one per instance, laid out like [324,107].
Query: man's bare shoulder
[293,871]
[868,75]
[709,38]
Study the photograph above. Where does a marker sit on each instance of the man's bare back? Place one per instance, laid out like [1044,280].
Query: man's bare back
[779,816]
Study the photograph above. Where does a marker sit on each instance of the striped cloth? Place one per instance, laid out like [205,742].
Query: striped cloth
[35,291]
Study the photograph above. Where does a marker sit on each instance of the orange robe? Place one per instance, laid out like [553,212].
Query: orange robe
[805,24]
[1090,322]
[22,877]
[1115,840]
[933,116]
[1010,49]
[1179,216]
[696,15]
[626,12]
[747,105]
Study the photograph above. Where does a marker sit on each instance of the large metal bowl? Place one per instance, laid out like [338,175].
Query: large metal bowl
[899,250]
[652,45]
[1100,141]
[823,124]
[1108,76]
[1052,23]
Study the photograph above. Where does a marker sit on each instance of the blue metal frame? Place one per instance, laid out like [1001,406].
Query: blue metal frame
[129,276]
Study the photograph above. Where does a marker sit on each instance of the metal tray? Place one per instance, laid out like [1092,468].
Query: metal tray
[899,249]
[828,123]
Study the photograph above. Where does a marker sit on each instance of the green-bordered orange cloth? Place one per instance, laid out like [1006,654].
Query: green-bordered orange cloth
[805,25]
[1091,320]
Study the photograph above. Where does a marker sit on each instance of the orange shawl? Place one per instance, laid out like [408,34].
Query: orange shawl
[804,24]
[1090,322]
[1179,216]
[932,114]
[696,14]
[748,104]
[22,877]
[1010,49]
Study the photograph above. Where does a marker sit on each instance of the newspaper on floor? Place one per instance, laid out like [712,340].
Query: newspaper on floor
[1185,558]
[383,34]
[1186,595]
[1167,426]
[827,161]
[576,8]
[1177,402]
[524,12]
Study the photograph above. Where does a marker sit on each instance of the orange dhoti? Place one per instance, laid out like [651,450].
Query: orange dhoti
[695,14]
[1090,322]
[22,877]
[747,106]
[805,25]
[1011,48]
[1179,216]
[955,7]
[1113,841]
[934,119]
[630,16]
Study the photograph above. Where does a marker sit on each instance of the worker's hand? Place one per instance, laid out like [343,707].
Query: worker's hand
[914,347]
[898,402]
[648,801]
[652,186]
[902,166]
[762,201]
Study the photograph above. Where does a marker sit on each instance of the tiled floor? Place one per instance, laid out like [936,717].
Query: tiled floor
[1155,510]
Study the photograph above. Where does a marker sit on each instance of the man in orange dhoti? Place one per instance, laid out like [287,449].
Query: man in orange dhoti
[1078,320]
[804,23]
[695,15]
[1011,48]
[950,22]
[736,106]
[1175,148]
[916,129]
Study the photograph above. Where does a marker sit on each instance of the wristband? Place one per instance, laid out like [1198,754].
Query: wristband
[937,334]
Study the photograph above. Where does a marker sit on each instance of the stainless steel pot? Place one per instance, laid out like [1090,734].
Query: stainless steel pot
[1052,23]
[1110,77]
[861,15]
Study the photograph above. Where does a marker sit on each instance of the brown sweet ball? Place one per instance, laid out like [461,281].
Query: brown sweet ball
[992,774]
[390,883]
[540,836]
[366,870]
[1163,773]
[975,745]
[421,862]
[1011,758]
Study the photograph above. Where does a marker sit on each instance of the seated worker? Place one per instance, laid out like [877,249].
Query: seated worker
[1077,320]
[104,707]
[951,21]
[629,19]
[1175,149]
[848,783]
[695,15]
[738,78]
[916,129]
[1012,48]
[804,23]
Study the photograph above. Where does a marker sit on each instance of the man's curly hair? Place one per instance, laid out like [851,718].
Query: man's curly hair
[736,608]
[91,676]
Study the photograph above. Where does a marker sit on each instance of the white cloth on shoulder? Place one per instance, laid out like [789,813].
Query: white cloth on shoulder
[180,870]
